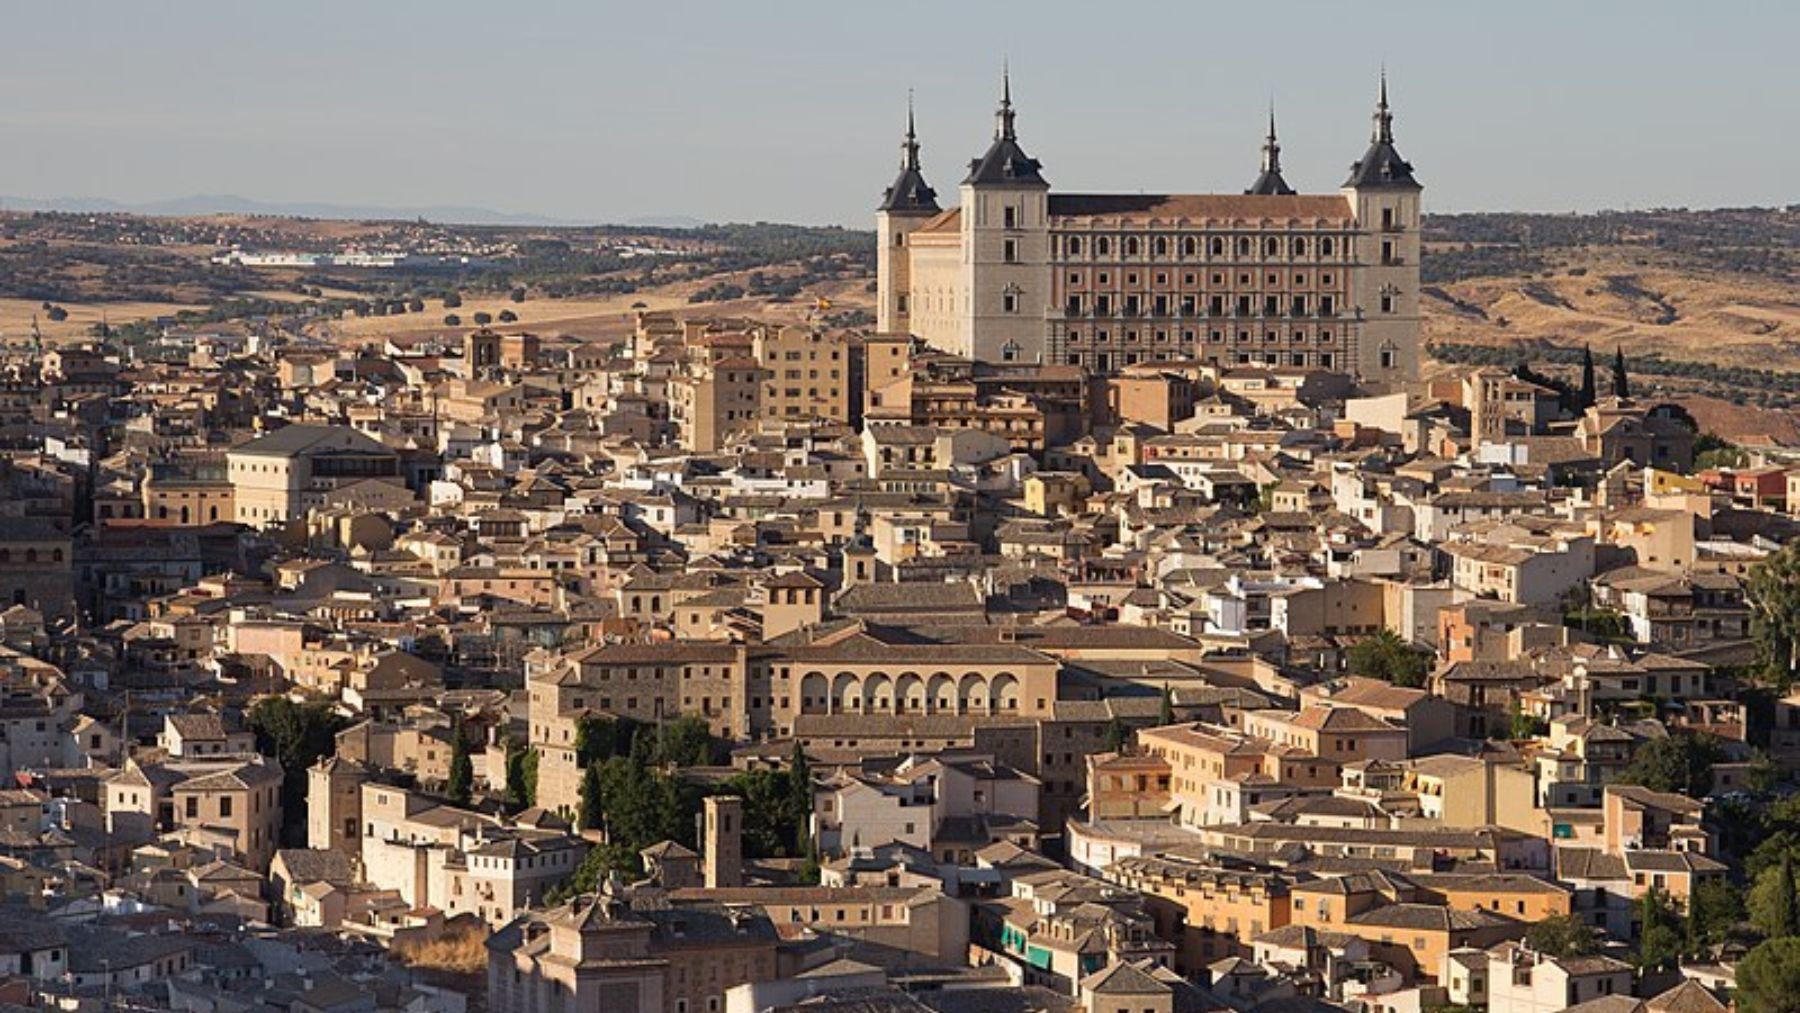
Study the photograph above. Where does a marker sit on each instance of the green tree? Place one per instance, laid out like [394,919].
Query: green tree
[800,797]
[452,320]
[1773,592]
[686,741]
[1764,773]
[601,861]
[1621,386]
[770,828]
[1714,909]
[1659,942]
[1679,762]
[1117,734]
[1385,656]
[298,735]
[598,738]
[1768,980]
[521,775]
[1771,848]
[590,814]
[808,872]
[1563,936]
[517,295]
[483,318]
[508,316]
[1714,451]
[461,785]
[1784,914]
[1589,391]
[452,300]
[1526,726]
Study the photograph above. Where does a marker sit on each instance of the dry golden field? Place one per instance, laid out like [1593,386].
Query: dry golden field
[16,314]
[593,318]
[1635,298]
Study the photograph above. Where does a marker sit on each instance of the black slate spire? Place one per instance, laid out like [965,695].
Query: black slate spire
[910,191]
[1270,182]
[1005,162]
[1381,165]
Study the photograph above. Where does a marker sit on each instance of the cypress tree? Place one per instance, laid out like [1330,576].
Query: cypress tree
[462,769]
[1787,911]
[800,797]
[1588,389]
[588,816]
[1621,386]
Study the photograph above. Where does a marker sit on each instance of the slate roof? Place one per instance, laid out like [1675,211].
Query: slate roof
[1381,167]
[909,192]
[1005,163]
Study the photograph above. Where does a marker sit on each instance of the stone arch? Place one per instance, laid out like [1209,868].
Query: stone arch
[878,694]
[846,694]
[1003,694]
[940,693]
[815,693]
[971,693]
[909,693]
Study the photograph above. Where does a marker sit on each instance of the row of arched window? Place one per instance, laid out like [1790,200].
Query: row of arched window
[1159,246]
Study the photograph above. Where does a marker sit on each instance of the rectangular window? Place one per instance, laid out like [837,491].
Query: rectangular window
[1010,218]
[1010,252]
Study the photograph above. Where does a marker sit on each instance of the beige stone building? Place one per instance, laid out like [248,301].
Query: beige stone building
[459,861]
[1018,273]
[806,373]
[764,691]
[602,953]
[280,476]
[230,802]
[717,395]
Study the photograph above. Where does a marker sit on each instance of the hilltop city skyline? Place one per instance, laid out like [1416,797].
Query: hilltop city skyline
[1101,538]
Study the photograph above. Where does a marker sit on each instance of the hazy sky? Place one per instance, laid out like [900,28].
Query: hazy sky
[791,111]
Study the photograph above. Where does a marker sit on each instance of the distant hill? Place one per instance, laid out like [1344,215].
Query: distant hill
[1717,286]
[231,204]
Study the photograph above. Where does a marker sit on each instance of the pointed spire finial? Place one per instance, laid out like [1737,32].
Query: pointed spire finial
[1271,147]
[1004,128]
[909,148]
[1384,120]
